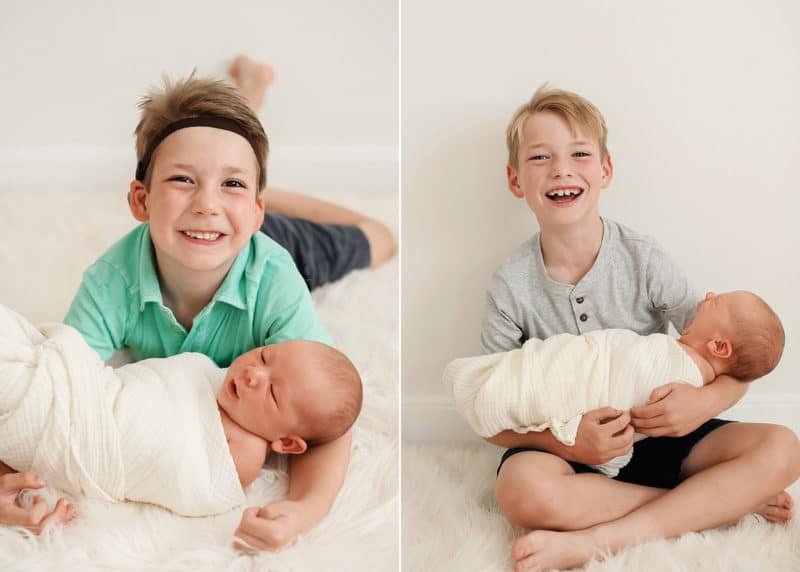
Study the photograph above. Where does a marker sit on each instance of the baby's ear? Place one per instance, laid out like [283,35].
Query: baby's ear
[289,445]
[720,348]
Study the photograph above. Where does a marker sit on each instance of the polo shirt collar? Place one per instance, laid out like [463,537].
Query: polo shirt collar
[232,291]
[149,289]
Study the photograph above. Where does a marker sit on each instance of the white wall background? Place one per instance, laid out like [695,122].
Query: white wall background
[701,99]
[73,72]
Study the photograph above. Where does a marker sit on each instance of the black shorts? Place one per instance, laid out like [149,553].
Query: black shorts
[322,252]
[656,461]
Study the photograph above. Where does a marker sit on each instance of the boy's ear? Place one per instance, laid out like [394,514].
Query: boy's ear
[137,201]
[289,445]
[608,170]
[720,348]
[513,182]
[260,207]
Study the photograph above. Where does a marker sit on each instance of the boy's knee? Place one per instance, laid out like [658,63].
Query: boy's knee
[382,244]
[783,448]
[532,502]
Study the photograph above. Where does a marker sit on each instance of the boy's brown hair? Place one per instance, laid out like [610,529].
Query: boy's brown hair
[198,97]
[758,339]
[576,110]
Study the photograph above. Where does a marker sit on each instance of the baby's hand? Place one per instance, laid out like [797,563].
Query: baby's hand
[271,527]
[36,516]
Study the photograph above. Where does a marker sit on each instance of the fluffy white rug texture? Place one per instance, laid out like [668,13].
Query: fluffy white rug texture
[451,522]
[47,238]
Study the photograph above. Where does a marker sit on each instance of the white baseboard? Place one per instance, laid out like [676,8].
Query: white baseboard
[357,168]
[433,418]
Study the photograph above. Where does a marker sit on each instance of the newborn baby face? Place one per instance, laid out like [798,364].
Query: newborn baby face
[265,389]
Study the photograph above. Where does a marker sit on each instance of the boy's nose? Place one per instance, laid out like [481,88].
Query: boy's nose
[205,200]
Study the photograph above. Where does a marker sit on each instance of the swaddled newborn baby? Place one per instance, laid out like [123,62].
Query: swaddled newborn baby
[550,384]
[179,431]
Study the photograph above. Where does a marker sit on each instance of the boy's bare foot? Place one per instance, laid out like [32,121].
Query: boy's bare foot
[777,508]
[252,78]
[543,550]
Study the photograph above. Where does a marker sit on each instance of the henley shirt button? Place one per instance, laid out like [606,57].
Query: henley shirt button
[579,299]
[583,317]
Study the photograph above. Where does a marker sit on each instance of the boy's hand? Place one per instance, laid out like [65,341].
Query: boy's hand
[673,410]
[36,517]
[271,527]
[603,434]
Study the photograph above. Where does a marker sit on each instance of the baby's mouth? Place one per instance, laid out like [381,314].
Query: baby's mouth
[565,195]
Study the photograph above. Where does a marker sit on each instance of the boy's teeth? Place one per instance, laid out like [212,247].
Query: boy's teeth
[202,235]
[564,193]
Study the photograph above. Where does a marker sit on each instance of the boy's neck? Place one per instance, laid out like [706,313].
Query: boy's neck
[703,364]
[186,293]
[569,252]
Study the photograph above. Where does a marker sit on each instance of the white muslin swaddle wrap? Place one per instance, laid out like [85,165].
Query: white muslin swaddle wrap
[549,384]
[148,431]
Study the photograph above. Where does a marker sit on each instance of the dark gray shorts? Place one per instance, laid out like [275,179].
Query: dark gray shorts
[656,461]
[322,252]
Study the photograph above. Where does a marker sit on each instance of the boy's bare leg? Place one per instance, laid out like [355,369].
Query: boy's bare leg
[381,240]
[732,471]
[539,490]
[252,78]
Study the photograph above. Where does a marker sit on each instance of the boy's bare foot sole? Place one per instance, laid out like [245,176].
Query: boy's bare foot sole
[252,78]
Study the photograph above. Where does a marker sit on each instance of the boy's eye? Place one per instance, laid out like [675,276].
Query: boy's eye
[581,154]
[234,183]
[537,158]
[180,179]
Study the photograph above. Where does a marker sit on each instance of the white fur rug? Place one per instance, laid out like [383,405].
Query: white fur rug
[451,522]
[46,240]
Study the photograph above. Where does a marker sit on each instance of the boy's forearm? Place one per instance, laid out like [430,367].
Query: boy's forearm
[316,477]
[723,393]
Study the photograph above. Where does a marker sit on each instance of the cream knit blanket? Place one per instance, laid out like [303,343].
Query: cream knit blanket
[549,384]
[148,432]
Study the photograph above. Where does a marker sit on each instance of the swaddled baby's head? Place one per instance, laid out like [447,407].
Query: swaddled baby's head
[294,394]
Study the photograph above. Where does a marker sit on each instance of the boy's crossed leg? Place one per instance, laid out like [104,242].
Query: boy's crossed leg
[731,472]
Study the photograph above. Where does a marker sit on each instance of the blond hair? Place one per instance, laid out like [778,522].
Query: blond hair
[758,339]
[198,97]
[577,111]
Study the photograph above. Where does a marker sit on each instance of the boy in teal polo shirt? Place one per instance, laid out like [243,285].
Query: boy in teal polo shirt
[198,276]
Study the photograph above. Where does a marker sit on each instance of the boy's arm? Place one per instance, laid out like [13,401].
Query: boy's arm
[677,409]
[603,434]
[315,479]
[94,314]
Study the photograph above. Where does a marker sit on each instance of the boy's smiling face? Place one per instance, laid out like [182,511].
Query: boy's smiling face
[202,200]
[560,174]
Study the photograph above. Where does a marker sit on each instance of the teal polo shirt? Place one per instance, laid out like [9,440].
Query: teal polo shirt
[263,300]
